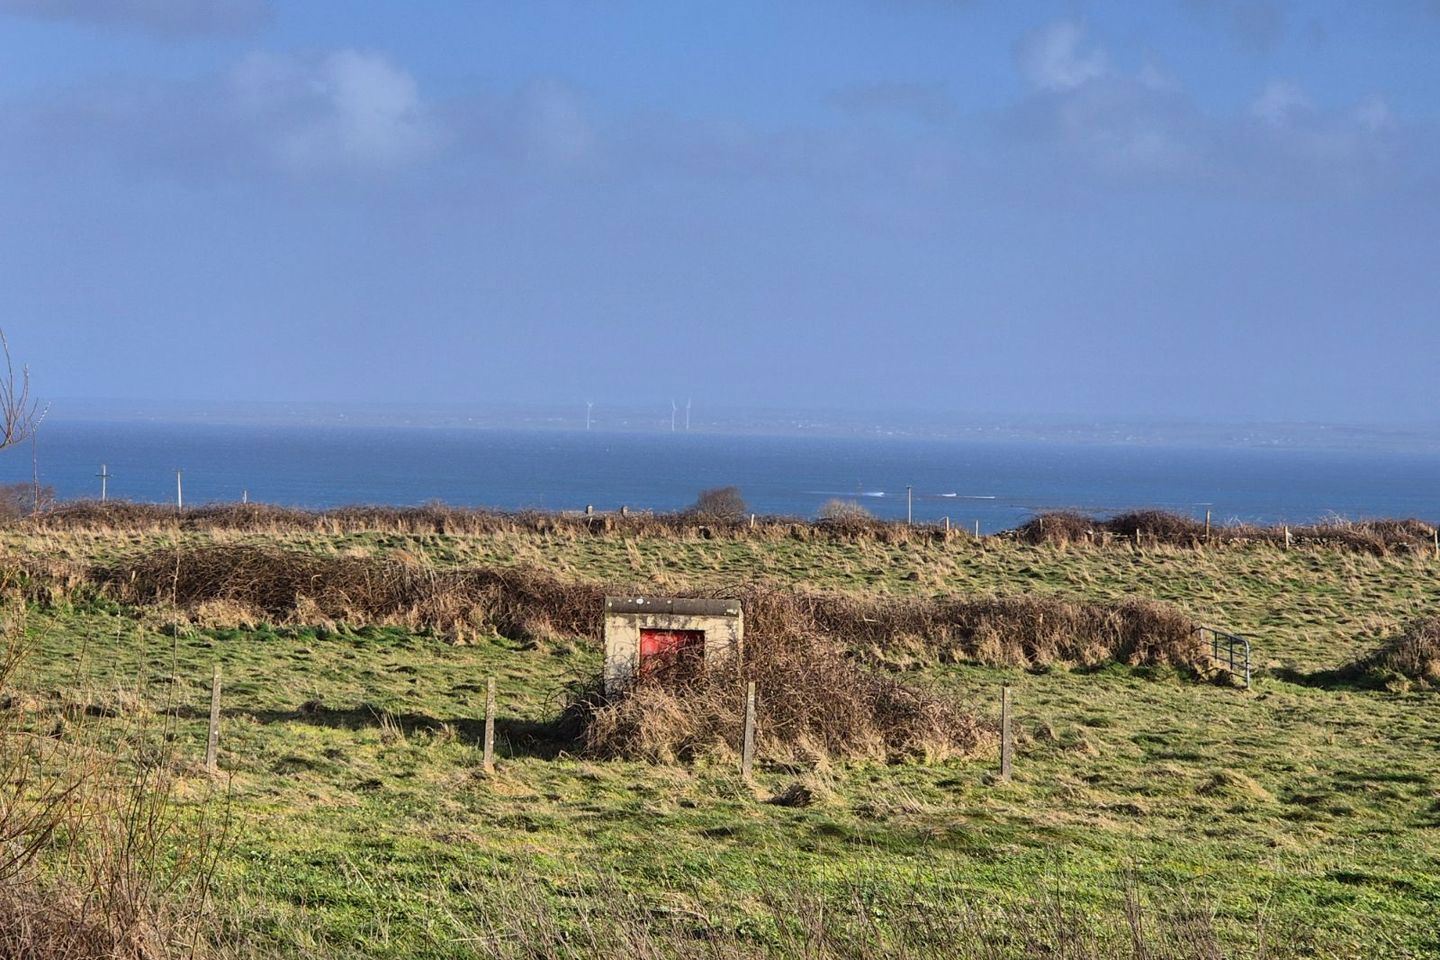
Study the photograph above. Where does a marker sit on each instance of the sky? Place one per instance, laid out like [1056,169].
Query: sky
[1198,209]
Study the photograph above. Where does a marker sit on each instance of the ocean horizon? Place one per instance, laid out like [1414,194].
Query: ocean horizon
[998,482]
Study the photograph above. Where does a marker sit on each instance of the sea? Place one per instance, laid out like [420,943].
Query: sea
[997,483]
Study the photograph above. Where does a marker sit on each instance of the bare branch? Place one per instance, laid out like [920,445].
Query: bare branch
[20,414]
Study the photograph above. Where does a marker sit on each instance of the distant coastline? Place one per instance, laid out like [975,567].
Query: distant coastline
[655,419]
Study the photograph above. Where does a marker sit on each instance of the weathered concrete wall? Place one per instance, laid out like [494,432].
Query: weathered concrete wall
[722,621]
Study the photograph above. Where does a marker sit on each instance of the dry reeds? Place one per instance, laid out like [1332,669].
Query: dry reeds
[814,703]
[279,584]
[1024,630]
[442,519]
[1028,631]
[1162,528]
[1148,527]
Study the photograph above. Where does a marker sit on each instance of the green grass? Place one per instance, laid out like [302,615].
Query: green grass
[364,825]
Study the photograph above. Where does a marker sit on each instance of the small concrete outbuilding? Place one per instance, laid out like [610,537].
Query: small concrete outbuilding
[642,633]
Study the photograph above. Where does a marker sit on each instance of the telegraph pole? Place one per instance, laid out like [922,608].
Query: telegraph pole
[104,476]
[179,492]
[909,502]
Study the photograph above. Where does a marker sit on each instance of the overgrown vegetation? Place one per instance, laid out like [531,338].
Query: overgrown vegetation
[1158,527]
[721,513]
[224,584]
[23,499]
[93,863]
[1412,655]
[837,510]
[817,705]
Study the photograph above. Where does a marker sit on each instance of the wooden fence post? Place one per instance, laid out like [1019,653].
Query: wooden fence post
[488,764]
[212,742]
[1006,746]
[747,752]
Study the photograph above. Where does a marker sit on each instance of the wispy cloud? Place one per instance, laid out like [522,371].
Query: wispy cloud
[1057,57]
[172,18]
[1279,102]
[345,112]
[346,109]
[1142,126]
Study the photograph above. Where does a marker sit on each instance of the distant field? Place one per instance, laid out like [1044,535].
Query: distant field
[1308,805]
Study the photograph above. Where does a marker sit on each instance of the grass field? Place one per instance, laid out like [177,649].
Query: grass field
[1308,806]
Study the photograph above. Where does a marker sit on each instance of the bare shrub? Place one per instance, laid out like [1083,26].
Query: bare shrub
[22,499]
[260,581]
[814,703]
[1413,655]
[255,582]
[1159,526]
[719,503]
[1025,630]
[1057,527]
[837,510]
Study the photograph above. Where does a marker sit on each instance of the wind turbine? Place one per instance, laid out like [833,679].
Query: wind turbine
[589,405]
[674,409]
[687,414]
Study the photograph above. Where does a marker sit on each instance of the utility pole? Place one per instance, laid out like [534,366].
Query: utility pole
[179,492]
[909,504]
[104,476]
[35,472]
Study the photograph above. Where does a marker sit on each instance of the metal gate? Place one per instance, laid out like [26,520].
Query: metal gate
[1229,651]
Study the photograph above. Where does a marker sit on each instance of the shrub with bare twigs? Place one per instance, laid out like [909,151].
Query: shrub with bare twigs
[814,703]
[1412,655]
[281,585]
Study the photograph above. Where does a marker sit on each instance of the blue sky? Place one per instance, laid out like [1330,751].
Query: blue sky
[1208,209]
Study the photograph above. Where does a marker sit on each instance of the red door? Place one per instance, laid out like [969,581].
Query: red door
[673,652]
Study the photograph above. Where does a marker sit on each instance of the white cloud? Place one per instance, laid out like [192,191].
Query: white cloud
[1373,113]
[165,17]
[1142,127]
[348,109]
[1056,57]
[1280,102]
